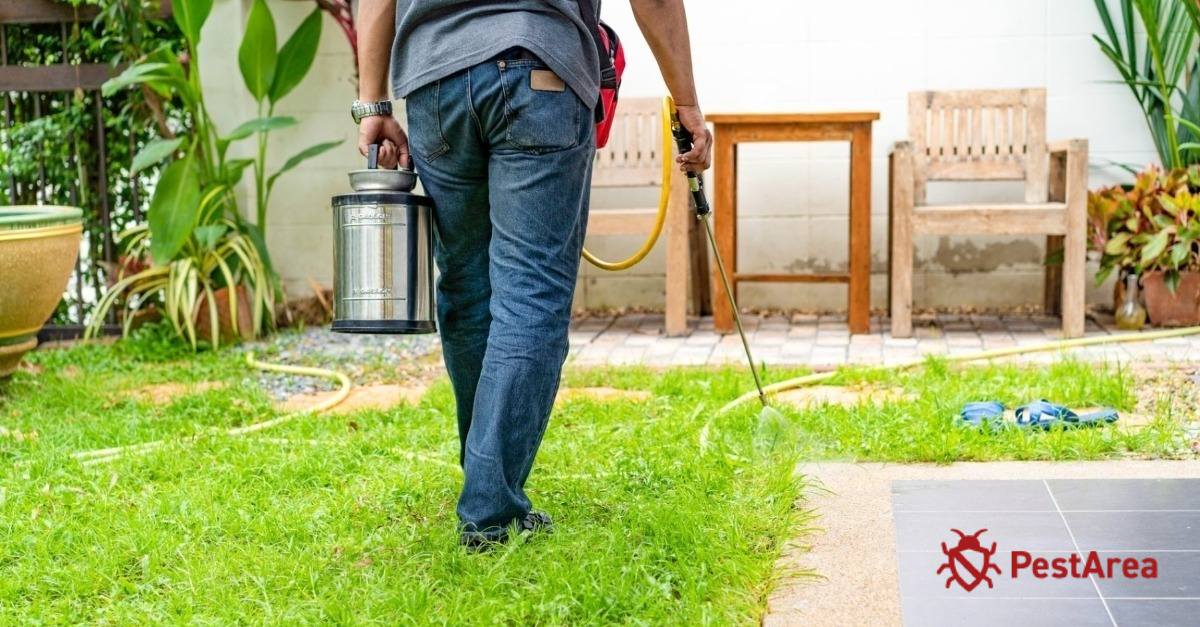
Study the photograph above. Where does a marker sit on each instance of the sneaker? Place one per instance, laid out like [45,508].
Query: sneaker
[536,522]
[478,541]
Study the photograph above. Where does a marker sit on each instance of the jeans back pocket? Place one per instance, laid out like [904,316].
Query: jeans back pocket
[423,107]
[539,119]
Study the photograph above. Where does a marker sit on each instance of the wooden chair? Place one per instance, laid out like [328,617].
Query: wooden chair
[989,135]
[633,158]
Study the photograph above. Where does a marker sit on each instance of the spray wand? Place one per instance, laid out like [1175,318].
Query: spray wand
[683,140]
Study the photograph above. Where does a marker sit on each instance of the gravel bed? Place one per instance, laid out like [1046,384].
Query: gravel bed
[364,358]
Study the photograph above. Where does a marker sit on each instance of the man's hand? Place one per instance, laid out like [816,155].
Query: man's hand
[393,143]
[699,158]
[664,23]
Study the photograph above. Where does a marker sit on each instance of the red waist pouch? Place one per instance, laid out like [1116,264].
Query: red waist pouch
[612,66]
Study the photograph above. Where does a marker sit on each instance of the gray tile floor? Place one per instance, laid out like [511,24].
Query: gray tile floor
[1125,518]
[825,340]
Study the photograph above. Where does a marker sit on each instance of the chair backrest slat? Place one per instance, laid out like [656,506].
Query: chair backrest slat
[633,156]
[980,135]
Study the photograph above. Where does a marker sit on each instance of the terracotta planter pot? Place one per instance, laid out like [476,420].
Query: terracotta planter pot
[1181,309]
[245,317]
[141,317]
[38,249]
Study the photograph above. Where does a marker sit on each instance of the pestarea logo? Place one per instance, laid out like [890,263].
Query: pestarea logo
[967,569]
[969,564]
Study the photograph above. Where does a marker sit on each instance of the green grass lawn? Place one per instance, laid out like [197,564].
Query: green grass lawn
[922,430]
[355,524]
[667,514]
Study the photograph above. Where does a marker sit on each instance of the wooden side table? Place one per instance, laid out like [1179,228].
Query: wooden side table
[731,129]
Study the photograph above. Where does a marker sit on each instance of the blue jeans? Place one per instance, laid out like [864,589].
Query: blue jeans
[509,168]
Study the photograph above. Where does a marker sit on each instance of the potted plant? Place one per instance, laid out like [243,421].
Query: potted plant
[215,290]
[208,266]
[1152,229]
[1148,229]
[38,249]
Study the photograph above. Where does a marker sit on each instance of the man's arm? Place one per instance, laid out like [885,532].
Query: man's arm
[376,33]
[664,24]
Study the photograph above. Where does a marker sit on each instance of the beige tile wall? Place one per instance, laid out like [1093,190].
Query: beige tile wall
[772,55]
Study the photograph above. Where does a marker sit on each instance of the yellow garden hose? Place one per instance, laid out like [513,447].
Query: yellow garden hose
[99,456]
[798,382]
[668,108]
[329,403]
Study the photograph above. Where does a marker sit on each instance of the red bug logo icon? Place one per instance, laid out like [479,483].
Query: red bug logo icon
[959,560]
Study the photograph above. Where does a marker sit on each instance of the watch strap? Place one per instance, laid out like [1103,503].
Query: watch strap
[360,110]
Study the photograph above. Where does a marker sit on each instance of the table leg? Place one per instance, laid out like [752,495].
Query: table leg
[724,224]
[860,230]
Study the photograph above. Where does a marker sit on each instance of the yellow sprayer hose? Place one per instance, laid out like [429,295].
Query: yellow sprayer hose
[798,382]
[109,454]
[668,109]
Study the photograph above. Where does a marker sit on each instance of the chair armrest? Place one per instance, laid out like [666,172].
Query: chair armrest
[1069,172]
[1069,146]
[902,147]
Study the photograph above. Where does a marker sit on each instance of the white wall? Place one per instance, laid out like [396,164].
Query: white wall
[789,55]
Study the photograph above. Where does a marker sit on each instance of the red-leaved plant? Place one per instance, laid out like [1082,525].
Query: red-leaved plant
[1152,225]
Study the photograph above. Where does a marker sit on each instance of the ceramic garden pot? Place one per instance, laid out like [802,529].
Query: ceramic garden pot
[1181,309]
[38,250]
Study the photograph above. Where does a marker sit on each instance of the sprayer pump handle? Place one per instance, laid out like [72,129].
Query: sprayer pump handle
[683,141]
[372,156]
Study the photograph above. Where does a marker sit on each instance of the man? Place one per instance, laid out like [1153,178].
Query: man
[500,97]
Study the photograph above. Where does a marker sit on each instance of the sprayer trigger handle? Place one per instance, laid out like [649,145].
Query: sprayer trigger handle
[683,137]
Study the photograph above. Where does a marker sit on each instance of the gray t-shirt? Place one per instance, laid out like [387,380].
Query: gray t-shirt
[436,38]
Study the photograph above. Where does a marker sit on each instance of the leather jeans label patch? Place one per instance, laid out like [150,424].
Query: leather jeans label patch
[545,80]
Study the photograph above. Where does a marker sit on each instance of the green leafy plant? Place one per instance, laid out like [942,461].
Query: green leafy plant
[269,74]
[195,237]
[1163,71]
[1152,225]
[216,256]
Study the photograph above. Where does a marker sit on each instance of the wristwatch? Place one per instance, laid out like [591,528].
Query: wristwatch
[360,110]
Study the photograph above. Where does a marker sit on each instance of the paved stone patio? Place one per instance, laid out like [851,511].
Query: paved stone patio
[825,340]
